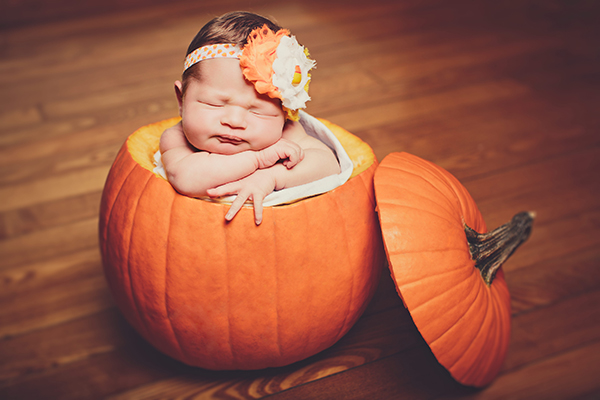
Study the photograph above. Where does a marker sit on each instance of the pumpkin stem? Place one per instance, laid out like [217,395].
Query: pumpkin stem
[490,250]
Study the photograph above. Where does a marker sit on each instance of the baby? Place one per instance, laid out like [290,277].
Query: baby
[244,81]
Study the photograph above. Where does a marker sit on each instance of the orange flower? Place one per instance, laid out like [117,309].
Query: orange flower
[257,59]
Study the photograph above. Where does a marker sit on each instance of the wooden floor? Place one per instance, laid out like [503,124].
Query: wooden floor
[503,94]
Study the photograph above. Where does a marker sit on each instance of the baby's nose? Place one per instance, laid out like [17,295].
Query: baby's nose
[235,117]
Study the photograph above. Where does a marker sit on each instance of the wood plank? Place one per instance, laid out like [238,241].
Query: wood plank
[552,378]
[25,172]
[549,281]
[44,244]
[574,232]
[75,183]
[384,114]
[48,215]
[31,277]
[62,344]
[52,292]
[93,376]
[547,331]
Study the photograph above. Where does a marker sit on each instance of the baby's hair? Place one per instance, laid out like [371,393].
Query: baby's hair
[233,27]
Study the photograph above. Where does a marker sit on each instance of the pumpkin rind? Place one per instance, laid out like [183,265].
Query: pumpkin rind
[233,295]
[422,211]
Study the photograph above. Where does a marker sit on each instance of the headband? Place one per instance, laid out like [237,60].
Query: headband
[273,61]
[212,51]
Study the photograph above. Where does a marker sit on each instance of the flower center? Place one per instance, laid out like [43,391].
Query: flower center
[297,76]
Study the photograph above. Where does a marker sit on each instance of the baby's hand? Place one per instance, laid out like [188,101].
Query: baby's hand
[255,187]
[283,149]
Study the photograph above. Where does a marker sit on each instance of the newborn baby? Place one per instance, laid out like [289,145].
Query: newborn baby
[239,132]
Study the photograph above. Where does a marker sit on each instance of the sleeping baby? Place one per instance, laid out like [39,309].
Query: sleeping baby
[244,82]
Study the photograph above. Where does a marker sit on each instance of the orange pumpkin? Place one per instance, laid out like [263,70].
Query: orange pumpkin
[233,295]
[446,273]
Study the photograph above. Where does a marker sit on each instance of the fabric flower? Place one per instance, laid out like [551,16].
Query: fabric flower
[279,67]
[257,59]
[291,73]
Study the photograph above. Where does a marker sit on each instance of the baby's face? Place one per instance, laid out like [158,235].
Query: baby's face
[223,113]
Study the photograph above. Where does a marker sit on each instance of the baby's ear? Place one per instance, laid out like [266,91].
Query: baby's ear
[179,94]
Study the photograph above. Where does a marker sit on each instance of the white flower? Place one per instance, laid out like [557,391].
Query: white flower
[291,59]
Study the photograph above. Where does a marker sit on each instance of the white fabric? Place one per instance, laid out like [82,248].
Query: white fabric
[314,128]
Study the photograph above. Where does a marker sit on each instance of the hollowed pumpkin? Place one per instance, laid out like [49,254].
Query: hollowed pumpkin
[233,295]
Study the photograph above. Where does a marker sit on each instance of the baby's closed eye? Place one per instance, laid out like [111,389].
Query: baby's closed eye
[263,113]
[214,104]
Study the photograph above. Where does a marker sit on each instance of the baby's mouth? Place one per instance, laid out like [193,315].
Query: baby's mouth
[229,139]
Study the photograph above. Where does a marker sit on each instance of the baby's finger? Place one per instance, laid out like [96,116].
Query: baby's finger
[224,190]
[294,158]
[258,209]
[235,207]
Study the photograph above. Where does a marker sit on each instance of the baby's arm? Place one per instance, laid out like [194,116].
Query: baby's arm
[319,161]
[193,172]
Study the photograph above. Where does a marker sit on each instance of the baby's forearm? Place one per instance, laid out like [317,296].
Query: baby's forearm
[195,173]
[317,164]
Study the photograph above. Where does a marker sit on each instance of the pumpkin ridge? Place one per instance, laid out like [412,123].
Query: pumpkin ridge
[421,208]
[128,295]
[504,330]
[369,186]
[307,215]
[458,326]
[454,324]
[471,369]
[424,199]
[277,287]
[429,275]
[440,250]
[352,289]
[110,210]
[167,314]
[473,373]
[387,202]
[228,277]
[431,185]
[440,174]
[447,207]
[472,340]
[414,308]
[443,178]
[134,298]
[499,346]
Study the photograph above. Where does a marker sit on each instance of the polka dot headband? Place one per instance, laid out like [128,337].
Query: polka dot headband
[273,61]
[212,51]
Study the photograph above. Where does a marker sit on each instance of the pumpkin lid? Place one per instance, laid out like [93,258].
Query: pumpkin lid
[445,267]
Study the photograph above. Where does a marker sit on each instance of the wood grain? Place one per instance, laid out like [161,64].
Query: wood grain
[502,94]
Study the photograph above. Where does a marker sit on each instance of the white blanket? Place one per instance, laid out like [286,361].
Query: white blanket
[317,129]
